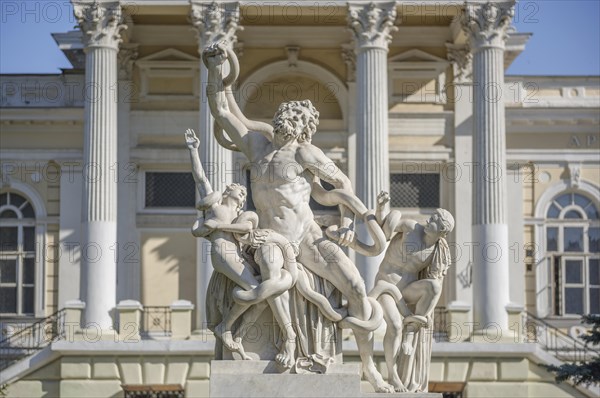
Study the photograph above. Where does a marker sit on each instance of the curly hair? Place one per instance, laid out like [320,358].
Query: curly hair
[307,114]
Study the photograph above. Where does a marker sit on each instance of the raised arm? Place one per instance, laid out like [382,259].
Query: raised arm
[391,221]
[214,56]
[202,183]
[264,128]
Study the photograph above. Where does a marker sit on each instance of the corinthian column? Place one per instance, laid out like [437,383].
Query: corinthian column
[371,25]
[213,22]
[100,24]
[486,26]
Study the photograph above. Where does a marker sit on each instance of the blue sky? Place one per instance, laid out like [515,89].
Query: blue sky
[565,37]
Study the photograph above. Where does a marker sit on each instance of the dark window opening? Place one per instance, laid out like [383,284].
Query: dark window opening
[415,190]
[169,189]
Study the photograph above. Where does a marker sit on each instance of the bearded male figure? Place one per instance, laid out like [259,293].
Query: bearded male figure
[285,166]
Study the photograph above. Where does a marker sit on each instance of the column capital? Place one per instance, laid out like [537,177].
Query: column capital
[100,22]
[215,21]
[487,24]
[372,24]
[461,58]
[126,56]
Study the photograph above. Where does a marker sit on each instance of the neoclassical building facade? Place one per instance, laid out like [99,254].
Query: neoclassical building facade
[97,198]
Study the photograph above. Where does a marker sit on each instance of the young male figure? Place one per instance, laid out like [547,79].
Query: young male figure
[414,264]
[284,164]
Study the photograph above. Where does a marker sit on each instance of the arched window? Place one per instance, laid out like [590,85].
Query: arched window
[17,255]
[573,248]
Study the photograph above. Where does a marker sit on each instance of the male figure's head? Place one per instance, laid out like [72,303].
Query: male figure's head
[295,120]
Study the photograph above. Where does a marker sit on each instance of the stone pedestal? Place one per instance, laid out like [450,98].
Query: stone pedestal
[265,379]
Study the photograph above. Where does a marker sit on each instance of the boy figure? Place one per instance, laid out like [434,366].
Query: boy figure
[409,285]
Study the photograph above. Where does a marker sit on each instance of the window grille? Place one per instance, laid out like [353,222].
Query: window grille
[154,391]
[415,190]
[17,255]
[170,189]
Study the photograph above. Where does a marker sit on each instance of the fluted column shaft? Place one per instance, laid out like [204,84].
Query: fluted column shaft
[372,25]
[100,23]
[487,25]
[372,158]
[99,186]
[214,22]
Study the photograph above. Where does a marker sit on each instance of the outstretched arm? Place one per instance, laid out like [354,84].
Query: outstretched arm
[202,184]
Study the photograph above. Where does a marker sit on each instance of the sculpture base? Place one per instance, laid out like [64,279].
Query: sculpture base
[267,379]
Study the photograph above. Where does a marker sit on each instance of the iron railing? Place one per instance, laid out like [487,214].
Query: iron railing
[32,338]
[156,321]
[440,324]
[562,346]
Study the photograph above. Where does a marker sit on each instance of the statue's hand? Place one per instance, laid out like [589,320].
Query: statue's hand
[215,54]
[191,140]
[383,198]
[211,224]
[346,236]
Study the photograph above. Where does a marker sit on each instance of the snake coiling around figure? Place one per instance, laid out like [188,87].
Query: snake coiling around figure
[270,287]
[260,127]
[291,275]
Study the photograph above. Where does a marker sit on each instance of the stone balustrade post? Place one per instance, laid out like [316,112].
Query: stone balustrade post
[181,319]
[130,317]
[73,316]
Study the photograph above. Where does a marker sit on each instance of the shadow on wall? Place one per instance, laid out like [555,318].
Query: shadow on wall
[168,268]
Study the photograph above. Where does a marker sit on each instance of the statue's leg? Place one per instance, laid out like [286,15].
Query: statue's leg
[270,259]
[328,260]
[424,293]
[392,339]
[223,330]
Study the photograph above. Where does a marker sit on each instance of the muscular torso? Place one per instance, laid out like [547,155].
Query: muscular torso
[280,190]
[405,257]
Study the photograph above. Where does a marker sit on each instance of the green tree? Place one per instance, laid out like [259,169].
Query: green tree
[585,372]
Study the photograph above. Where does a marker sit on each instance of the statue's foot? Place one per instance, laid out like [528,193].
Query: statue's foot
[227,339]
[376,380]
[286,356]
[397,384]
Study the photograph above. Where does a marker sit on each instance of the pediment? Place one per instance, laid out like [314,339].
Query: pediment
[169,55]
[415,55]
